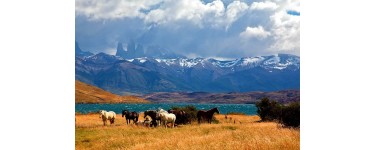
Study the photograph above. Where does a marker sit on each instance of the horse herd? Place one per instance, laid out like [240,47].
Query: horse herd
[153,118]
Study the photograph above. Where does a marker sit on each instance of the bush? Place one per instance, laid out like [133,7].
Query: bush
[190,110]
[268,110]
[290,115]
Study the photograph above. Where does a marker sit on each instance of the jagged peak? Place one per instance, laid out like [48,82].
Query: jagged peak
[120,47]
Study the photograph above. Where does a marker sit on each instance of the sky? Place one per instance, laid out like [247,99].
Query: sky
[194,28]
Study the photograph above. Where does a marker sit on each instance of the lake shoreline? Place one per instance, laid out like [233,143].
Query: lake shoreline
[249,109]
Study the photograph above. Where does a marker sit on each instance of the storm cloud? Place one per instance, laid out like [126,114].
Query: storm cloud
[194,28]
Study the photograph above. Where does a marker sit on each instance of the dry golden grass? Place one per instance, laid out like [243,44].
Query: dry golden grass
[249,134]
[85,93]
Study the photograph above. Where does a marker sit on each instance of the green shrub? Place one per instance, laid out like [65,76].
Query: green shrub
[268,110]
[189,109]
[287,115]
[290,115]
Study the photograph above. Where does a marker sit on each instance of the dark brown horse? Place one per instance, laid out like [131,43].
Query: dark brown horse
[154,117]
[181,117]
[207,114]
[130,116]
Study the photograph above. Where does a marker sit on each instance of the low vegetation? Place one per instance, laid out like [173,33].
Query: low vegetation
[246,133]
[288,115]
[85,93]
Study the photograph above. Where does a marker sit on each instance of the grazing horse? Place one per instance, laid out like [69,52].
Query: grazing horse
[181,117]
[166,118]
[130,116]
[110,115]
[154,117]
[207,114]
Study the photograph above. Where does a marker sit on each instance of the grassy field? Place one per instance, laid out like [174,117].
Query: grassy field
[249,134]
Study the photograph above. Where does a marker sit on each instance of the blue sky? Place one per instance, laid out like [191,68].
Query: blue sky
[194,28]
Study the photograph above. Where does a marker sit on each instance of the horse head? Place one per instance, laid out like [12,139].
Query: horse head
[159,114]
[101,113]
[216,110]
[124,112]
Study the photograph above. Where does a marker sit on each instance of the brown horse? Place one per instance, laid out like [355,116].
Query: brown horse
[130,116]
[207,114]
[181,117]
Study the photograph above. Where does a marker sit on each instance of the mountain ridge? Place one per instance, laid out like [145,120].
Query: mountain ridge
[147,75]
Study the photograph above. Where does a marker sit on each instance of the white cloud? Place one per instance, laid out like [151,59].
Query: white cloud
[197,12]
[234,11]
[263,5]
[286,31]
[216,28]
[113,9]
[255,32]
[193,11]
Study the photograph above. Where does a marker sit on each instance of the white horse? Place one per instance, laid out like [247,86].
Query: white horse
[110,115]
[166,118]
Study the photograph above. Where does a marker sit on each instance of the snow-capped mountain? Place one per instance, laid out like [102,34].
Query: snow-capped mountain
[146,75]
[279,61]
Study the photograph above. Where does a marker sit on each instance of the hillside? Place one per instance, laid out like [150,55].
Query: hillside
[85,93]
[284,96]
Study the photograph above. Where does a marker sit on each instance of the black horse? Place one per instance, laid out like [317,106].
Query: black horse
[181,116]
[207,114]
[154,117]
[130,116]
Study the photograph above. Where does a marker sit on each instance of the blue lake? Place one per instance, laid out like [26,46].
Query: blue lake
[249,109]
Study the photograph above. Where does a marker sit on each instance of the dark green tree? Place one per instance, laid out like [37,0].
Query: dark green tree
[290,115]
[268,110]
